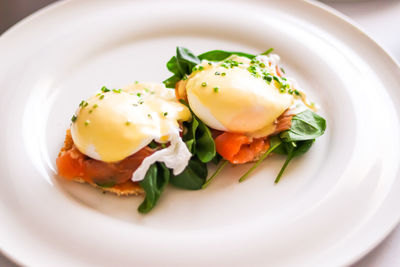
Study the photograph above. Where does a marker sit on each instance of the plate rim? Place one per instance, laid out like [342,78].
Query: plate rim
[361,252]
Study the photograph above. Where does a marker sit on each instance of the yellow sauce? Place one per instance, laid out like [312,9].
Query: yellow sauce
[242,103]
[113,125]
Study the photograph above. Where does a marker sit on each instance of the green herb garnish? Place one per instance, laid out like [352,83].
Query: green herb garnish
[105,89]
[267,52]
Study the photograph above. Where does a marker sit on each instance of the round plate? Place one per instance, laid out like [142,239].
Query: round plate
[332,206]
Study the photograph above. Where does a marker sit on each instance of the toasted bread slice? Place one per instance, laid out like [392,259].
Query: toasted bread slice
[124,189]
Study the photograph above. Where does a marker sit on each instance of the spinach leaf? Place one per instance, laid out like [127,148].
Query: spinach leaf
[198,138]
[219,55]
[217,159]
[184,61]
[305,126]
[293,150]
[193,177]
[153,184]
[180,65]
[171,81]
[276,142]
[205,145]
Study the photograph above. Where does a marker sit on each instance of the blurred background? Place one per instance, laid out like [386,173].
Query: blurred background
[380,19]
[377,17]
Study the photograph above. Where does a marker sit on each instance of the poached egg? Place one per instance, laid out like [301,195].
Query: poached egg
[114,124]
[239,95]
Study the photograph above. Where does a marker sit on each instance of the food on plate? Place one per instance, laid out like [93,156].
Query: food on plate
[249,103]
[119,137]
[224,107]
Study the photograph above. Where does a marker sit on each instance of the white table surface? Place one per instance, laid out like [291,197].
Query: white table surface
[381,20]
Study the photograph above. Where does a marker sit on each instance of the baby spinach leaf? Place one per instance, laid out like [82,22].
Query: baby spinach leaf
[217,159]
[193,177]
[171,81]
[219,55]
[153,184]
[179,65]
[293,149]
[305,126]
[184,61]
[205,145]
[276,141]
[198,138]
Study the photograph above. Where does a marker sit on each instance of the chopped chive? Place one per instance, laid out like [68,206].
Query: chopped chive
[87,122]
[268,51]
[139,94]
[223,74]
[105,89]
[185,77]
[209,63]
[136,82]
[204,84]
[217,73]
[127,123]
[95,106]
[140,102]
[282,70]
[268,78]
[194,69]
[146,90]
[118,91]
[296,92]
[74,117]
[262,65]
[201,68]
[216,88]
[101,96]
[149,115]
[90,111]
[217,171]
[165,114]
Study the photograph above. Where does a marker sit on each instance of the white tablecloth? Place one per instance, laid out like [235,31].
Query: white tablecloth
[381,20]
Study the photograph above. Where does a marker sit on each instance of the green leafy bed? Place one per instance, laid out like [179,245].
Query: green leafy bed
[306,127]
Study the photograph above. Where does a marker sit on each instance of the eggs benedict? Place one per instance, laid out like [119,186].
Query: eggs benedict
[116,135]
[245,99]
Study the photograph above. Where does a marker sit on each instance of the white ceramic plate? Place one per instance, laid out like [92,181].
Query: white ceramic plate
[333,205]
